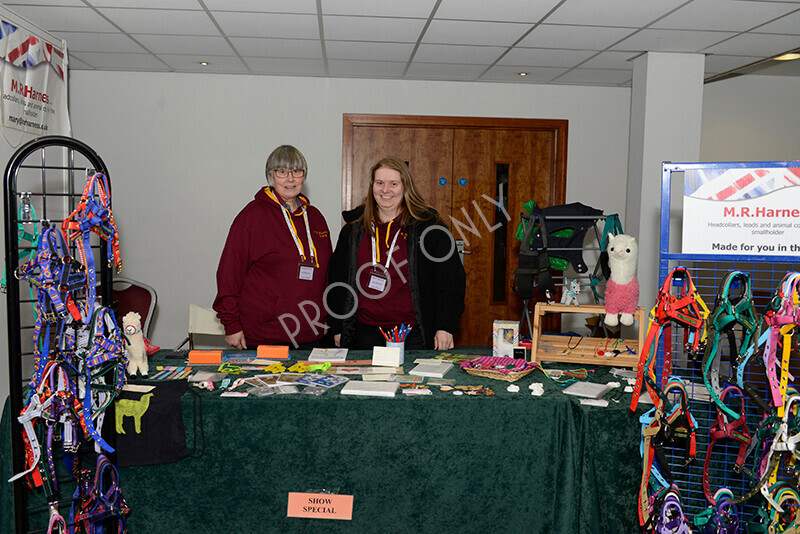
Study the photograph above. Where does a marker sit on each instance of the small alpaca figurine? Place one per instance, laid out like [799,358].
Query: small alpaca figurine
[570,295]
[622,289]
[134,344]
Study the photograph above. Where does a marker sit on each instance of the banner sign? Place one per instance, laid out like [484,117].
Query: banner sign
[742,211]
[34,85]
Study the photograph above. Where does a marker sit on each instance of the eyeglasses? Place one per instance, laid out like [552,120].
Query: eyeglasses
[284,173]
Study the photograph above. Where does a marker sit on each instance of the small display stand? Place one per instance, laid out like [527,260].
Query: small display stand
[584,350]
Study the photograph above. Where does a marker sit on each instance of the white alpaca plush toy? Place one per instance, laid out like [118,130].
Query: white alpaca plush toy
[134,344]
[622,289]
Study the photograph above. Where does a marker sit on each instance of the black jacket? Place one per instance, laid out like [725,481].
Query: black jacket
[436,278]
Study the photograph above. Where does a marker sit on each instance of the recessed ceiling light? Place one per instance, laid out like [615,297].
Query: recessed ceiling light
[204,63]
[787,57]
[523,73]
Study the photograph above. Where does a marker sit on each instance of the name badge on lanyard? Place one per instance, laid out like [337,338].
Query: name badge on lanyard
[305,270]
[379,276]
[307,266]
[377,280]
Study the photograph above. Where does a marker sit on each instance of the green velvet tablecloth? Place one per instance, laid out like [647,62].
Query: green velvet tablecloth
[506,463]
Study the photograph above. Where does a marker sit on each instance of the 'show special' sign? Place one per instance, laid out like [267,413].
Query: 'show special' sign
[320,506]
[742,211]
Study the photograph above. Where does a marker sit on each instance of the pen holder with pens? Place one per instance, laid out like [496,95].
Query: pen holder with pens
[396,338]
[401,348]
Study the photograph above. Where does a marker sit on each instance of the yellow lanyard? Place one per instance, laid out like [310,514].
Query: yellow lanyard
[293,229]
[376,248]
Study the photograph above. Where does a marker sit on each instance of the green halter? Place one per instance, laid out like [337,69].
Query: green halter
[730,310]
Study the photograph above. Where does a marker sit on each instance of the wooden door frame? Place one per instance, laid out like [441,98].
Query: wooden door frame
[351,120]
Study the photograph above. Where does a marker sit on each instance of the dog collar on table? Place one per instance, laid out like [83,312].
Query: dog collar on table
[686,310]
[728,313]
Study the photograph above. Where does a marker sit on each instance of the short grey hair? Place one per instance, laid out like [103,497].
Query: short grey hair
[286,156]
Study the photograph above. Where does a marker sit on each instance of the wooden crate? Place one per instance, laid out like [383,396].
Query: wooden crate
[584,350]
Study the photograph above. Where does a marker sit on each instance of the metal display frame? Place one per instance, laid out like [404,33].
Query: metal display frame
[707,271]
[57,189]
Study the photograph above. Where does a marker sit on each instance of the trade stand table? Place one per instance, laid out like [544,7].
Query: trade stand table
[511,462]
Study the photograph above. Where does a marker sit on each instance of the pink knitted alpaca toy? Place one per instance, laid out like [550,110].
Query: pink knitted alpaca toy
[622,289]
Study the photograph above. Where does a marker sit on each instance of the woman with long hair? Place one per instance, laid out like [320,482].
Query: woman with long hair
[395,265]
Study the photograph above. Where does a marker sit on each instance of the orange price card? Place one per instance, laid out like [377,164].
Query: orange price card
[320,506]
[273,352]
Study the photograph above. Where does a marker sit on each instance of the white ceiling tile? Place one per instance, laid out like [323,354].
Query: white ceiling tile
[755,44]
[368,51]
[444,71]
[538,57]
[12,5]
[217,64]
[372,69]
[790,24]
[480,55]
[612,12]
[723,15]
[372,29]
[168,21]
[111,61]
[164,4]
[261,6]
[501,73]
[77,64]
[611,60]
[183,44]
[55,19]
[375,38]
[475,33]
[506,10]
[575,37]
[671,41]
[268,25]
[717,63]
[286,48]
[379,8]
[280,66]
[596,77]
[108,42]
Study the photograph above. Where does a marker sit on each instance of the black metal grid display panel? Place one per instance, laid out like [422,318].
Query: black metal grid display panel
[707,272]
[706,276]
[49,173]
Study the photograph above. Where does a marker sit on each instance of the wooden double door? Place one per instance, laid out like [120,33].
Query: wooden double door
[477,172]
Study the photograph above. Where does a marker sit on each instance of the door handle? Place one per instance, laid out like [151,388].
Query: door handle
[460,248]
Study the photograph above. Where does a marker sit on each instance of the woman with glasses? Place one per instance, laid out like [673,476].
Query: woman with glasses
[395,265]
[274,267]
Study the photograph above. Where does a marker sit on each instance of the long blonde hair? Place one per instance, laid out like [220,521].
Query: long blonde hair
[412,208]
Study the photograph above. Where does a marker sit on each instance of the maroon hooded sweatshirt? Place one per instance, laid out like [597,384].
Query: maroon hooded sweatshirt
[257,277]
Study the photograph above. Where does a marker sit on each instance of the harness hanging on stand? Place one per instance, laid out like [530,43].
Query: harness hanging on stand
[601,270]
[729,312]
[721,430]
[782,319]
[686,310]
[664,425]
[93,215]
